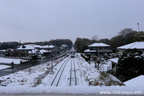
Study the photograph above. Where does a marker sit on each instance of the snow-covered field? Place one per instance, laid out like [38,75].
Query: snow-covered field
[28,77]
[38,79]
[10,60]
[4,66]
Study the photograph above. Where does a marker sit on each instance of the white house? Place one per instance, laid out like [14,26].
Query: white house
[28,47]
[135,45]
[98,49]
[36,49]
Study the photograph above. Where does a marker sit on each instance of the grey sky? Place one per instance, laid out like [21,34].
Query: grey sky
[43,20]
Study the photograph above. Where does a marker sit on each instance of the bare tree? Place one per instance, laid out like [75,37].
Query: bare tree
[95,37]
[125,31]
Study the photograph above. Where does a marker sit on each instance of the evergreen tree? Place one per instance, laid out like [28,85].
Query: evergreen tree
[130,65]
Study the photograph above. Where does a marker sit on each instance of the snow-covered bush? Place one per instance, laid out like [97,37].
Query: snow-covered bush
[130,65]
[105,79]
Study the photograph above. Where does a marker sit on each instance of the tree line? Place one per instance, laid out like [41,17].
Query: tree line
[57,43]
[7,45]
[125,36]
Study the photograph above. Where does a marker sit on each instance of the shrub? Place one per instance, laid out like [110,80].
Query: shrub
[130,65]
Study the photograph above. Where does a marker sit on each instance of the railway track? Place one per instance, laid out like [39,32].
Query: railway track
[73,78]
[56,80]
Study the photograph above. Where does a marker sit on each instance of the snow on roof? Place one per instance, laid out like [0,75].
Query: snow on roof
[44,51]
[98,45]
[48,46]
[27,47]
[137,45]
[88,50]
[37,46]
[4,67]
[135,81]
[33,46]
[64,45]
[115,60]
[33,51]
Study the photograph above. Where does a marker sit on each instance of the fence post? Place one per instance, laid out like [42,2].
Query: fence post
[12,66]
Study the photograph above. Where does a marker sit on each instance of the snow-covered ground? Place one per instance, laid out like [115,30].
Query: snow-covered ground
[137,81]
[73,90]
[4,67]
[38,79]
[10,60]
[28,77]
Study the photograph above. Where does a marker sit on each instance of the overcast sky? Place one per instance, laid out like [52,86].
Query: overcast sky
[43,20]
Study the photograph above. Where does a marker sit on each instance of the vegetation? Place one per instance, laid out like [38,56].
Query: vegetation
[105,79]
[124,37]
[59,42]
[34,57]
[7,45]
[81,44]
[130,65]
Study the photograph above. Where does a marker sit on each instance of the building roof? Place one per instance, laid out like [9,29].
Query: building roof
[136,81]
[33,46]
[48,46]
[45,51]
[89,51]
[33,51]
[64,45]
[98,45]
[135,45]
[26,47]
[115,60]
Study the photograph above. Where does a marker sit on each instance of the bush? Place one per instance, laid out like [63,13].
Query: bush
[35,57]
[130,65]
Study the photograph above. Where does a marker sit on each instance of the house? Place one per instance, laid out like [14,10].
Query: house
[47,50]
[2,52]
[31,49]
[134,45]
[26,50]
[63,48]
[47,47]
[98,49]
[47,53]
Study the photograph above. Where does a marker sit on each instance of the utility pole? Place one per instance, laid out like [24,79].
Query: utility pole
[138,32]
